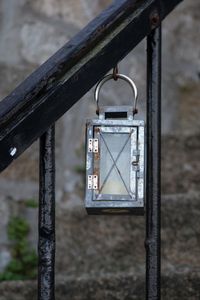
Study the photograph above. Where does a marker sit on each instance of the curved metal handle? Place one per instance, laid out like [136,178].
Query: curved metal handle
[120,76]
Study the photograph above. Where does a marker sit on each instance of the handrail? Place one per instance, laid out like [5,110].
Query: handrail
[60,82]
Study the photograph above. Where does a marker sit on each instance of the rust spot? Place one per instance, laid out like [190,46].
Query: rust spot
[96,156]
[115,73]
[154,19]
[96,129]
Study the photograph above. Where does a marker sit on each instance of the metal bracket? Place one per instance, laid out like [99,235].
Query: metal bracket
[93,145]
[92,182]
[135,163]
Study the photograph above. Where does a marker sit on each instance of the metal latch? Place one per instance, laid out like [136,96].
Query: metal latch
[92,182]
[135,162]
[93,145]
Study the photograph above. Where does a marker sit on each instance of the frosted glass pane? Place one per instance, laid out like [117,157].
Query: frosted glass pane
[110,177]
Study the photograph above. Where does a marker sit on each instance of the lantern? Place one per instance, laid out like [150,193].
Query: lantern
[115,158]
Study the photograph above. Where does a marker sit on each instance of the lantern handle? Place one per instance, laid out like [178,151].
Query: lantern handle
[120,76]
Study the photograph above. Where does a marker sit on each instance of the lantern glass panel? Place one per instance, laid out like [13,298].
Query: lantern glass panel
[115,163]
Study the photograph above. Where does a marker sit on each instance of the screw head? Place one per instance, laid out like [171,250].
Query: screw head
[13,151]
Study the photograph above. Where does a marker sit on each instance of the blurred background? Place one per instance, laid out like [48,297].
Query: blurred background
[100,257]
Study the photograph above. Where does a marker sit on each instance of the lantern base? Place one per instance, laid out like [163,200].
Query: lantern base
[115,211]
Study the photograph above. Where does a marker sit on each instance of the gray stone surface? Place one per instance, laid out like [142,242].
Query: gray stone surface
[181,65]
[124,286]
[78,12]
[11,12]
[19,190]
[4,219]
[180,163]
[10,76]
[40,40]
[99,244]
[5,257]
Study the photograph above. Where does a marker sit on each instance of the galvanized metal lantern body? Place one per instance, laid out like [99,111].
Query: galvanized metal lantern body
[115,162]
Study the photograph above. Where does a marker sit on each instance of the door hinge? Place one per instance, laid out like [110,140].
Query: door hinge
[92,182]
[93,145]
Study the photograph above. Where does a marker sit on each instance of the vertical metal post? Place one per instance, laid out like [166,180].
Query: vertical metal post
[46,245]
[153,164]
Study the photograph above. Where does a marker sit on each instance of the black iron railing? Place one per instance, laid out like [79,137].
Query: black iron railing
[32,109]
[153,164]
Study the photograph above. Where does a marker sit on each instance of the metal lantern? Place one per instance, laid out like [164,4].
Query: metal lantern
[115,158]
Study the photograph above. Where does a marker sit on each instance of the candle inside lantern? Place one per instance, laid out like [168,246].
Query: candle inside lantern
[114,187]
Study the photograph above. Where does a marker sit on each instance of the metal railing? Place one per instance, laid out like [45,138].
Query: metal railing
[153,188]
[32,109]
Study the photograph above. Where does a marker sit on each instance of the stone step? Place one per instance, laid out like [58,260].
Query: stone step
[121,286]
[180,163]
[109,244]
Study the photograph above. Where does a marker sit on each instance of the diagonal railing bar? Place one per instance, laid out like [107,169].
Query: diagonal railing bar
[60,82]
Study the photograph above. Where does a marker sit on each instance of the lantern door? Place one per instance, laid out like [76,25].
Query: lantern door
[115,177]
